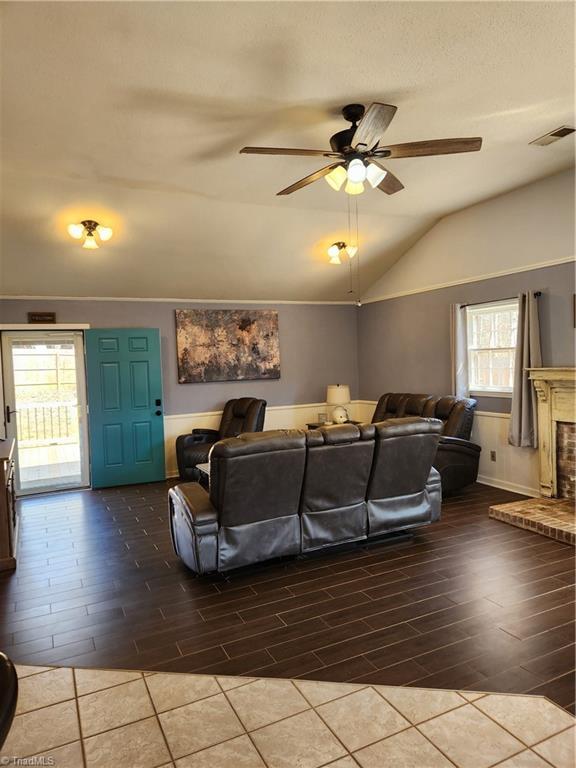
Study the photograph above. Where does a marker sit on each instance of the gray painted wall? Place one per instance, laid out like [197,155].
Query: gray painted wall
[404,343]
[318,345]
[400,345]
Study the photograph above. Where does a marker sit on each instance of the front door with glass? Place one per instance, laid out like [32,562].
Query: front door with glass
[45,394]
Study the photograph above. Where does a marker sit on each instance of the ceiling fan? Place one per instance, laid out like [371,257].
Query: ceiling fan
[357,152]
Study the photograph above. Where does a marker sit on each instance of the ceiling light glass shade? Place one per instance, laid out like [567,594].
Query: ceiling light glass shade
[334,253]
[356,171]
[354,189]
[375,175]
[336,177]
[334,250]
[76,231]
[90,242]
[351,250]
[104,233]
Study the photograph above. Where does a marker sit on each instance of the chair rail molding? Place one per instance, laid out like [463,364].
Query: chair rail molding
[293,416]
[556,393]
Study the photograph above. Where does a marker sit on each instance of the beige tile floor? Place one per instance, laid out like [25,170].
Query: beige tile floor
[125,719]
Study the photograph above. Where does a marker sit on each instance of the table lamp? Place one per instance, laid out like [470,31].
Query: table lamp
[338,395]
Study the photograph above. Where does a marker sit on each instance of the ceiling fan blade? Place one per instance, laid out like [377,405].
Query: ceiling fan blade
[284,151]
[389,184]
[309,179]
[433,147]
[372,126]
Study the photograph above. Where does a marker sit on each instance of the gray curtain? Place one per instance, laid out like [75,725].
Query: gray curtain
[523,423]
[459,350]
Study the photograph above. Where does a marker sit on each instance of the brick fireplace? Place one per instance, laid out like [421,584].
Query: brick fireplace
[566,459]
[556,392]
[552,516]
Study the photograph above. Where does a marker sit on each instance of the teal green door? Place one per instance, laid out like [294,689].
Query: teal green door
[125,406]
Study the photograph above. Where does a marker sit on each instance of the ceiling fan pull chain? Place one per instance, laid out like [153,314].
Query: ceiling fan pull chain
[349,228]
[357,254]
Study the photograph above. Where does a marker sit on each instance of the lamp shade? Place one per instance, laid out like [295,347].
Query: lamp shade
[338,394]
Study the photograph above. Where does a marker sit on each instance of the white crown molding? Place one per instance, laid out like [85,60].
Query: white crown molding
[464,281]
[365,300]
[25,297]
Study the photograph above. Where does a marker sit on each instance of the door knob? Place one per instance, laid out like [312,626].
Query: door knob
[158,413]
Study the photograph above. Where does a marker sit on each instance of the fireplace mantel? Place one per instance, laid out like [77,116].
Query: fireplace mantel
[556,392]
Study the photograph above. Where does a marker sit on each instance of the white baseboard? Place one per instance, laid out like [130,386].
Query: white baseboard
[504,485]
[515,469]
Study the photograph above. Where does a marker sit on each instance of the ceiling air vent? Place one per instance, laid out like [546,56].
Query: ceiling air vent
[549,138]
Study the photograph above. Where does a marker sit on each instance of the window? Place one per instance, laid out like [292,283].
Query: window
[492,330]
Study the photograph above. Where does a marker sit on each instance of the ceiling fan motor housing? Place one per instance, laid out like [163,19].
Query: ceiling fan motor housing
[342,141]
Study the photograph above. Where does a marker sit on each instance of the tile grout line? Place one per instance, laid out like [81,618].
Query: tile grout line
[250,739]
[82,746]
[415,725]
[372,743]
[158,721]
[327,725]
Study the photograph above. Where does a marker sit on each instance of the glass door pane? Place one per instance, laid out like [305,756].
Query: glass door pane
[45,382]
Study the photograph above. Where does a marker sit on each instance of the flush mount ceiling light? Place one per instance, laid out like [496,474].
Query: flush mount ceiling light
[90,232]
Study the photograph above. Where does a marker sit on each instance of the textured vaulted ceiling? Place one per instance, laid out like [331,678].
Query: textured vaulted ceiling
[134,113]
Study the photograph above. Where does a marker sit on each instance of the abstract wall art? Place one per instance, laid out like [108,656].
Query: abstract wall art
[227,345]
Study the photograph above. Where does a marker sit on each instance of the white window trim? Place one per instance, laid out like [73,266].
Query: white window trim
[489,392]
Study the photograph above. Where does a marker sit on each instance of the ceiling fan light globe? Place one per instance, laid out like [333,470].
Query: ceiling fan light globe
[375,175]
[104,233]
[353,188]
[356,171]
[76,231]
[336,177]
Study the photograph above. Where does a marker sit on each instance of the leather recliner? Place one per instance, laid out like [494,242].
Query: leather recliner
[285,492]
[8,695]
[457,457]
[251,510]
[244,414]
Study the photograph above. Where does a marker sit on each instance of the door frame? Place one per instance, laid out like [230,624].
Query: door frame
[34,334]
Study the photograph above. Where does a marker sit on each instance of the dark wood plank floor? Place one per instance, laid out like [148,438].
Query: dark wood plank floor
[468,603]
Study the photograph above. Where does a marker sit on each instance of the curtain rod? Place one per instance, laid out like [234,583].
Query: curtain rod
[508,298]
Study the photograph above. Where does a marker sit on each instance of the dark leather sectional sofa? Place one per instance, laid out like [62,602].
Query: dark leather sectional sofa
[457,457]
[286,492]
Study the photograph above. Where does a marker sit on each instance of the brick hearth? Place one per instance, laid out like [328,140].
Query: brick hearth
[566,459]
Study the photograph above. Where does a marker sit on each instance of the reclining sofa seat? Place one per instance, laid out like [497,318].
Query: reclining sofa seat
[282,492]
[251,512]
[457,457]
[404,489]
[243,414]
[333,504]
